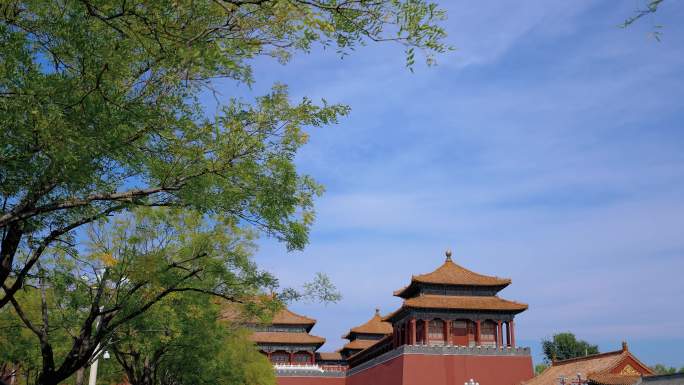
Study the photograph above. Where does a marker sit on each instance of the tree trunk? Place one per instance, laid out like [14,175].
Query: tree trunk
[80,376]
[8,248]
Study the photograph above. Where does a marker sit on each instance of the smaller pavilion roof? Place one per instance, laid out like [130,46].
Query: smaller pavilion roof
[359,344]
[330,356]
[234,312]
[287,317]
[619,367]
[454,302]
[613,379]
[286,338]
[375,325]
[450,273]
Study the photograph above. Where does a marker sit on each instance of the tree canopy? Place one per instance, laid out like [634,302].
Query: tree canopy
[101,112]
[182,341]
[165,263]
[663,369]
[563,346]
[118,193]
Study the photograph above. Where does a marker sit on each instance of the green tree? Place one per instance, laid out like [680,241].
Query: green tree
[563,346]
[19,353]
[540,368]
[181,341]
[651,7]
[662,369]
[130,266]
[101,111]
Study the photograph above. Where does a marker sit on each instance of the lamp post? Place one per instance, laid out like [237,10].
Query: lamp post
[92,376]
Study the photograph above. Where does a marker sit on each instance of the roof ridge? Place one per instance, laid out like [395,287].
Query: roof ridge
[451,273]
[629,354]
[589,357]
[371,326]
[471,296]
[295,315]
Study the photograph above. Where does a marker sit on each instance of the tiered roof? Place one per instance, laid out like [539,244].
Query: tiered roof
[367,334]
[286,338]
[283,317]
[431,301]
[374,325]
[612,368]
[359,344]
[453,275]
[330,356]
[288,317]
[458,282]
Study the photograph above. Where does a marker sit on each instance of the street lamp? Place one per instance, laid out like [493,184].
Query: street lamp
[92,376]
[471,382]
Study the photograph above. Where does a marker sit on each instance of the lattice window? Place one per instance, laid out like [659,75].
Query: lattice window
[280,357]
[459,332]
[302,358]
[436,331]
[488,333]
[459,328]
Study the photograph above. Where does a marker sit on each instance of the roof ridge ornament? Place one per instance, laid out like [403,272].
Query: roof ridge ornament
[448,255]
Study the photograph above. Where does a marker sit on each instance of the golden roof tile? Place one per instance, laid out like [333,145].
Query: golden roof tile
[595,366]
[330,356]
[613,379]
[451,273]
[288,317]
[375,325]
[286,338]
[455,302]
[359,344]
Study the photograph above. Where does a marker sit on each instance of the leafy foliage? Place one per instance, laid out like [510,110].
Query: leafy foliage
[662,369]
[181,341]
[101,112]
[101,118]
[651,7]
[540,368]
[563,346]
[132,266]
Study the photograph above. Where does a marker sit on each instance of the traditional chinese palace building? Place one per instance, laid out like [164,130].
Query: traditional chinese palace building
[452,326]
[620,367]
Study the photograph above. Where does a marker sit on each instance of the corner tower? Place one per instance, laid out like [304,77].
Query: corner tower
[451,327]
[366,335]
[455,306]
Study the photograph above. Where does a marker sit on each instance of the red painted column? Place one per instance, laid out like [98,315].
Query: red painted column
[477,333]
[413,331]
[426,340]
[508,333]
[512,334]
[313,358]
[291,358]
[447,332]
[404,334]
[499,334]
[268,354]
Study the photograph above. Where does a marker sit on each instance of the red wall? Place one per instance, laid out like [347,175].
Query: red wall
[386,373]
[417,369]
[455,370]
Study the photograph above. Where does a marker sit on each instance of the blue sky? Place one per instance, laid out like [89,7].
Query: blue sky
[547,148]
